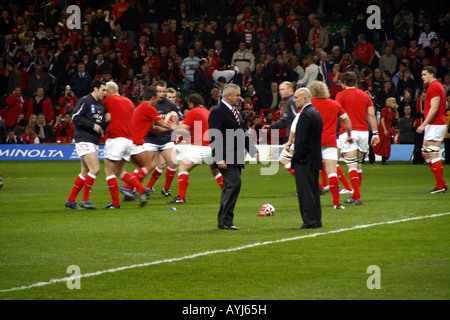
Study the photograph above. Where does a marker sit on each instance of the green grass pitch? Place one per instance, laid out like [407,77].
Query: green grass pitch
[153,253]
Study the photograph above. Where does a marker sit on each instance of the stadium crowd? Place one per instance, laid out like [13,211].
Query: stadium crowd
[46,66]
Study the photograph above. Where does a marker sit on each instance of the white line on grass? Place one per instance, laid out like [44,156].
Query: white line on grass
[200,254]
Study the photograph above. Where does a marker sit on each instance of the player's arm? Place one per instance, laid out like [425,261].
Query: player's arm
[162,126]
[80,119]
[434,107]
[373,125]
[347,126]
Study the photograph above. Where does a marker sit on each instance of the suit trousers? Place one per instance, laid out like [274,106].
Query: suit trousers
[230,194]
[308,193]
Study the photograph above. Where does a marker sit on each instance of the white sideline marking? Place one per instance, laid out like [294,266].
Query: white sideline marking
[200,254]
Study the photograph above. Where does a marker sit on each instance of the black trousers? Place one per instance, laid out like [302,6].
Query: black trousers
[308,193]
[230,194]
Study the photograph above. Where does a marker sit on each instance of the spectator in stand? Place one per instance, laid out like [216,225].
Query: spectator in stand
[68,101]
[165,37]
[318,36]
[16,104]
[365,52]
[388,61]
[39,79]
[295,34]
[222,71]
[44,130]
[19,129]
[243,58]
[311,73]
[406,126]
[11,138]
[202,82]
[344,41]
[426,36]
[334,78]
[188,67]
[271,99]
[64,130]
[41,104]
[387,116]
[100,27]
[81,81]
[30,136]
[13,78]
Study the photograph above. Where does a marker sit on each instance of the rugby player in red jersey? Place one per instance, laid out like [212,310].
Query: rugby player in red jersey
[144,117]
[331,112]
[118,145]
[434,126]
[196,122]
[358,106]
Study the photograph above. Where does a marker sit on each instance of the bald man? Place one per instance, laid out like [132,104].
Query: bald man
[118,145]
[307,159]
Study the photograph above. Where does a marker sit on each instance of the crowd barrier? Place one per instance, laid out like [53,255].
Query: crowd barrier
[268,153]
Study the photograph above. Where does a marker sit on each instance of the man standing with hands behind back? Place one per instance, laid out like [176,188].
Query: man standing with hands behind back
[307,159]
[228,139]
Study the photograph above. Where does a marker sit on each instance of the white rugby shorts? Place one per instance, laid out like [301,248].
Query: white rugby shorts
[329,153]
[158,147]
[117,149]
[83,148]
[199,154]
[360,142]
[434,132]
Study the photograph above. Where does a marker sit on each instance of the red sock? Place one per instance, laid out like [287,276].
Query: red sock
[77,186]
[155,175]
[354,180]
[88,182]
[170,173]
[133,181]
[183,181]
[438,170]
[288,168]
[113,186]
[360,177]
[324,179]
[141,173]
[342,178]
[333,182]
[219,180]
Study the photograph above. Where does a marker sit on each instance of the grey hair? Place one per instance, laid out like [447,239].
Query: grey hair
[229,88]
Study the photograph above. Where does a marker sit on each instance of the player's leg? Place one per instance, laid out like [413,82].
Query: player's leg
[285,160]
[217,175]
[161,164]
[169,157]
[183,180]
[92,164]
[330,169]
[77,186]
[430,153]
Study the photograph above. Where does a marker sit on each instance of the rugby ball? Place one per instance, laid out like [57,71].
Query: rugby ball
[171,117]
[266,210]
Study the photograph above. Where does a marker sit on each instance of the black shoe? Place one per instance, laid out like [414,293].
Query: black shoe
[436,190]
[166,193]
[310,226]
[177,200]
[233,227]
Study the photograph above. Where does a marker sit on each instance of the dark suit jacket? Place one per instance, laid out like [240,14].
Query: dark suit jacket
[228,146]
[308,136]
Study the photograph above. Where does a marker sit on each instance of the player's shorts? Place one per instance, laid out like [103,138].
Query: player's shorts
[434,132]
[329,153]
[117,149]
[286,154]
[360,142]
[137,148]
[159,147]
[199,154]
[83,148]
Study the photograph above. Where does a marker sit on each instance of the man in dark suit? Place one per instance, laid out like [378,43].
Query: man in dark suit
[307,159]
[344,41]
[229,141]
